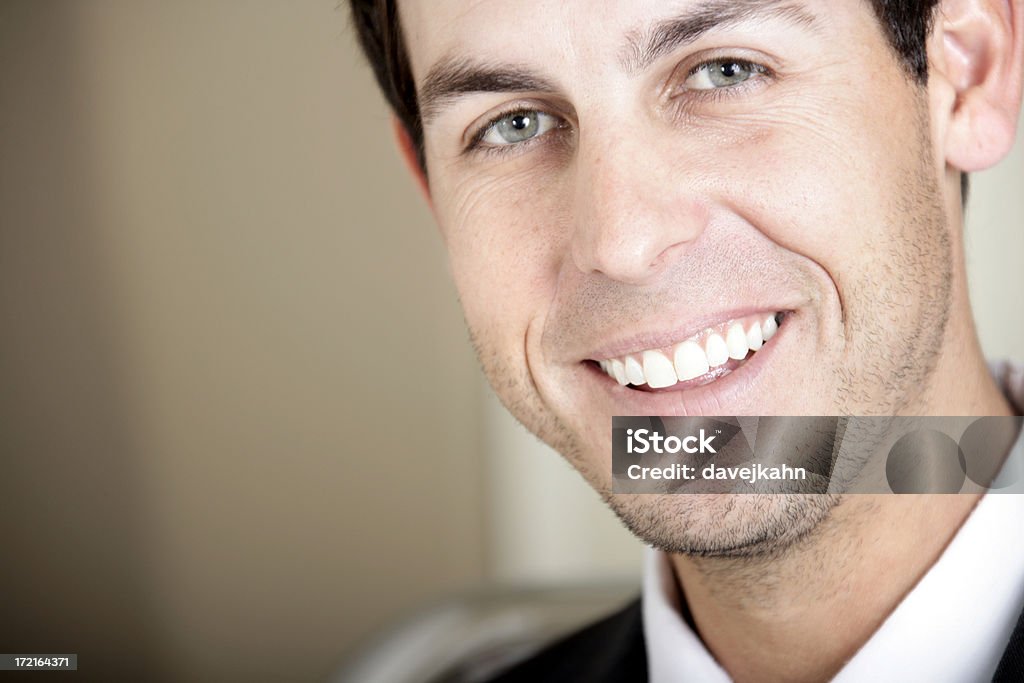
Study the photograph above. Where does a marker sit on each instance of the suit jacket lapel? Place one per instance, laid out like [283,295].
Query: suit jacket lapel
[1011,666]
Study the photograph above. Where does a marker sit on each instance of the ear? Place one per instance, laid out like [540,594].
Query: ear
[411,158]
[976,61]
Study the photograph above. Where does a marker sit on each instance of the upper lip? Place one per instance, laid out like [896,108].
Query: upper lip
[657,334]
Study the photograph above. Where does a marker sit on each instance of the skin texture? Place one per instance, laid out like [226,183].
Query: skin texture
[827,187]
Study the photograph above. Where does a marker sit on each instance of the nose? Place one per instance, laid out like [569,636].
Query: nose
[635,211]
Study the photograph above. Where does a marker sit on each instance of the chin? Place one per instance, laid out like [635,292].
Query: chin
[723,525]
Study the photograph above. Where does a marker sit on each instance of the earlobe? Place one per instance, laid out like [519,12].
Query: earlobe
[411,157]
[978,55]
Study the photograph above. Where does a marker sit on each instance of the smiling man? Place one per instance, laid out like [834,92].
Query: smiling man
[710,207]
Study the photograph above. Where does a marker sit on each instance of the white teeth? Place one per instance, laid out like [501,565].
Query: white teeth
[619,372]
[634,371]
[736,341]
[754,338]
[718,352]
[691,361]
[658,370]
[692,358]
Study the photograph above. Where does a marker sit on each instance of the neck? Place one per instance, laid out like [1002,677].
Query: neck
[960,383]
[800,615]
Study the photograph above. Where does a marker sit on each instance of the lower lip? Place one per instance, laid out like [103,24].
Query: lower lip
[698,396]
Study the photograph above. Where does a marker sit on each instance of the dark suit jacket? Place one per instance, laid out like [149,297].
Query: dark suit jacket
[612,650]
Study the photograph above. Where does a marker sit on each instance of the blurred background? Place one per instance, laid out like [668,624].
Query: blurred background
[241,427]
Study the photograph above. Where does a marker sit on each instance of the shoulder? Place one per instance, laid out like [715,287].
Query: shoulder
[608,650]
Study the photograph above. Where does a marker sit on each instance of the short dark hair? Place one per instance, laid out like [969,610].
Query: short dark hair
[906,24]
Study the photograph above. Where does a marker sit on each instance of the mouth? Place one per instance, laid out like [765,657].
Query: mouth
[698,360]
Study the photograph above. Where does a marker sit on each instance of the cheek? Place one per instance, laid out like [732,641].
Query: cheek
[506,238]
[827,187]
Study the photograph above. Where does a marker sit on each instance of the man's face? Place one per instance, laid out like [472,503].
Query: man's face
[630,182]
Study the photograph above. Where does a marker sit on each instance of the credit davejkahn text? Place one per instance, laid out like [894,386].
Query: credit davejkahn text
[749,473]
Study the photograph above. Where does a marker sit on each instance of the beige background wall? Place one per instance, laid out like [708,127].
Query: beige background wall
[217,453]
[240,424]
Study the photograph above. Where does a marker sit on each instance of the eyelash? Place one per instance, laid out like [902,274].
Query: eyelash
[476,142]
[713,95]
[759,70]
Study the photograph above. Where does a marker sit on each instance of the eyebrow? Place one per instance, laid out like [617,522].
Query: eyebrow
[643,48]
[453,76]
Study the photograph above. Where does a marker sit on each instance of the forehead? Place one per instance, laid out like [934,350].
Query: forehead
[585,34]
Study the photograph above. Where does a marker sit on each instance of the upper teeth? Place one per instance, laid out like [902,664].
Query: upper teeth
[693,357]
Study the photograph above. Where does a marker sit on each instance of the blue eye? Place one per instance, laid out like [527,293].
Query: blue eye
[722,73]
[518,127]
